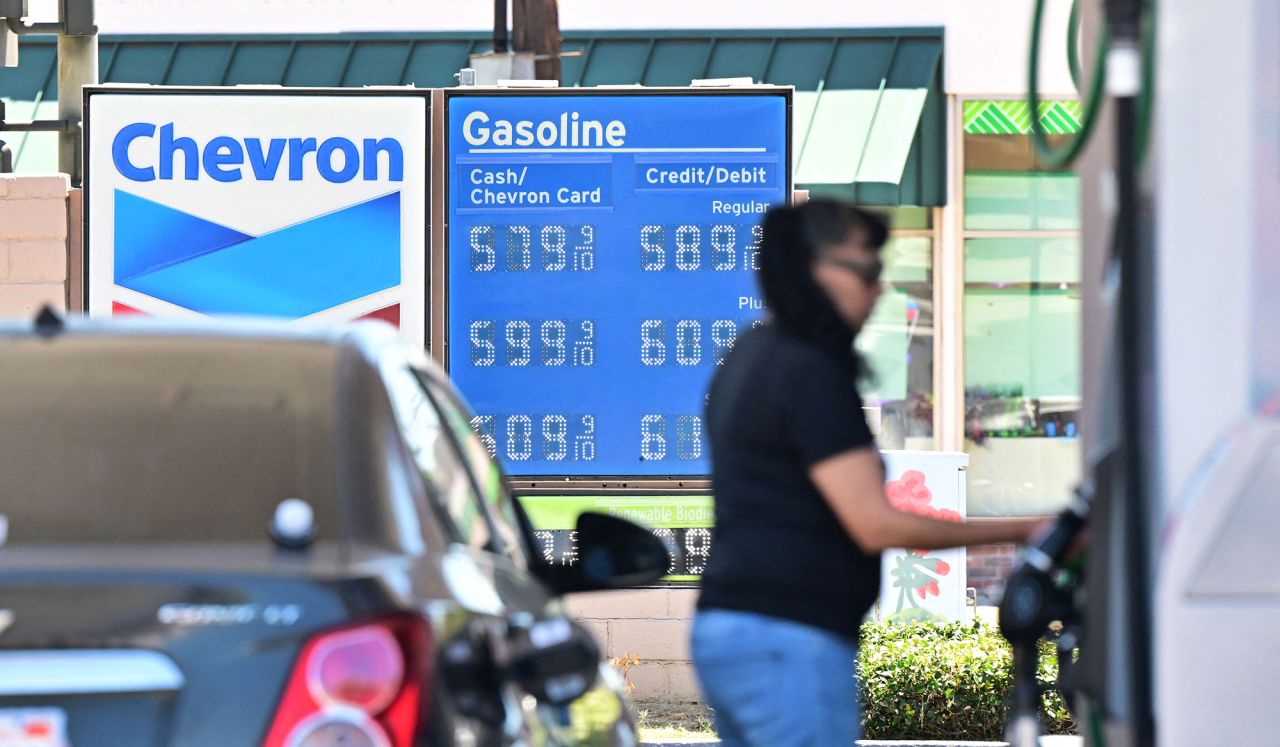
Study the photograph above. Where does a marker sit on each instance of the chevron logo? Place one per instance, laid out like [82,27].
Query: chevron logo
[292,272]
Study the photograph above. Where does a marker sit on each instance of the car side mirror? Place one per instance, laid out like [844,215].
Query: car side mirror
[613,553]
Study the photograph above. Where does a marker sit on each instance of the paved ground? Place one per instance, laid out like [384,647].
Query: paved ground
[1049,741]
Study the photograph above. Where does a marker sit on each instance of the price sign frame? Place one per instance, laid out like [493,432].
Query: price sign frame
[446,198]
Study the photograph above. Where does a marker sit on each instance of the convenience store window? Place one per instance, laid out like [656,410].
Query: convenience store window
[1022,308]
[898,341]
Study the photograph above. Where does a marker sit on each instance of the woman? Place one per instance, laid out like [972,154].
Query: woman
[801,513]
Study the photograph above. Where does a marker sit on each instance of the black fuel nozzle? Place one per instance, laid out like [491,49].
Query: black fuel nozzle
[1034,595]
[1038,593]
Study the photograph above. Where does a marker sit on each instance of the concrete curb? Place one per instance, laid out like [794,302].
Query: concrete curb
[1047,741]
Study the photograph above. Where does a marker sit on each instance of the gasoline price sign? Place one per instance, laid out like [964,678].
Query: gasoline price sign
[602,249]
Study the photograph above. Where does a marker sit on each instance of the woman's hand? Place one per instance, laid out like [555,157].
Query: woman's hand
[852,483]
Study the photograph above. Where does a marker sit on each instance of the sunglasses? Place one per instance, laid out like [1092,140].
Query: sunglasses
[869,272]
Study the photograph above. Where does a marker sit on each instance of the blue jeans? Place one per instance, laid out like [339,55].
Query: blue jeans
[775,683]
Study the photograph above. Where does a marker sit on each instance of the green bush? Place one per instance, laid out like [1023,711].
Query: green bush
[928,680]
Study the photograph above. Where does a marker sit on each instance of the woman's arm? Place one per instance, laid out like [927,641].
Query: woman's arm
[852,483]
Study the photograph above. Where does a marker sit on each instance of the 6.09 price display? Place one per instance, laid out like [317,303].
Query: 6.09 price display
[601,260]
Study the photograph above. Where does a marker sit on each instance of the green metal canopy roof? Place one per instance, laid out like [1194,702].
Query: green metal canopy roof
[869,120]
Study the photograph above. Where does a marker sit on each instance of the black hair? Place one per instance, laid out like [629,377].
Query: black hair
[793,238]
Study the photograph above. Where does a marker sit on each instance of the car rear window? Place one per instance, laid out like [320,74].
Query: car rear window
[147,439]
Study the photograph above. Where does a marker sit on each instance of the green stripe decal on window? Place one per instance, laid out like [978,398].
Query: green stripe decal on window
[1014,117]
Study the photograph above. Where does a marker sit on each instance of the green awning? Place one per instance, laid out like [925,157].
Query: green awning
[869,117]
[875,133]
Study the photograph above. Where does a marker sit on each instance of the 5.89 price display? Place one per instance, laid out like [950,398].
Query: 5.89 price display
[601,257]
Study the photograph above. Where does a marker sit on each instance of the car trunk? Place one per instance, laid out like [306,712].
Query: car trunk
[123,646]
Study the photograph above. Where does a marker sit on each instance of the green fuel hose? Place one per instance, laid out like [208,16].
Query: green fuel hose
[1057,158]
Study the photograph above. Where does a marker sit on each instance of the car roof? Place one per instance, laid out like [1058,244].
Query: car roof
[368,338]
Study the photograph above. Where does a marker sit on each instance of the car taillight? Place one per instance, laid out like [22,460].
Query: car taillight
[364,686]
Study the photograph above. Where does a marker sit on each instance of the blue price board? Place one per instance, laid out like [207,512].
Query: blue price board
[601,256]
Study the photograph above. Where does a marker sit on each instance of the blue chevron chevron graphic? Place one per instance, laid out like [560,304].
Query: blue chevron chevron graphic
[295,271]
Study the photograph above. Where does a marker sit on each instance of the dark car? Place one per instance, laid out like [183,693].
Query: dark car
[244,534]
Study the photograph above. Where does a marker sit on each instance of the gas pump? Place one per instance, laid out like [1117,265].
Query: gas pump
[1047,585]
[1176,606]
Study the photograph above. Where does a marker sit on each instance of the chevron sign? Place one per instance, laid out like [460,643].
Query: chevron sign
[306,205]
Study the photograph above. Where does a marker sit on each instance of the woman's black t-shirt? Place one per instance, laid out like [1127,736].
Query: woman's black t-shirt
[778,405]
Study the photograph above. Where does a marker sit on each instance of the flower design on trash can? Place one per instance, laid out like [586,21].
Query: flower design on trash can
[916,573]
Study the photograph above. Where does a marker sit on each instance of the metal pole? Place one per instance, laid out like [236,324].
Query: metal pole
[1136,327]
[6,158]
[500,26]
[77,67]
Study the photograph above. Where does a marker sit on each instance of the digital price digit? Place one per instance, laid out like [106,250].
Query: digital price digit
[519,348]
[483,426]
[546,540]
[653,254]
[554,333]
[688,248]
[519,249]
[584,349]
[555,438]
[484,352]
[554,256]
[584,254]
[723,333]
[724,255]
[653,438]
[697,547]
[484,254]
[669,541]
[519,438]
[688,342]
[653,344]
[584,444]
[688,437]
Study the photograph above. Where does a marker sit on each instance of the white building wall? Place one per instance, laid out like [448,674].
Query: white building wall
[334,16]
[986,40]
[988,43]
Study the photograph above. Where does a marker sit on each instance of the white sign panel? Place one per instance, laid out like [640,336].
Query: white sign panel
[306,204]
[924,584]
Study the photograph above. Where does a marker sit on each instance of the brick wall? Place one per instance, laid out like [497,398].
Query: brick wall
[988,567]
[653,624]
[33,243]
